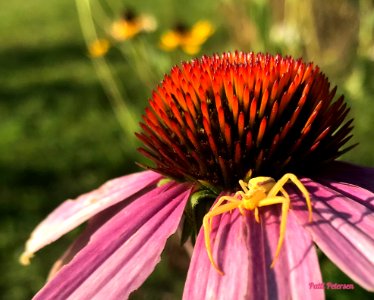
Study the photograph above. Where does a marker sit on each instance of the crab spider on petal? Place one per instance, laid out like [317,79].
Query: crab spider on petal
[258,192]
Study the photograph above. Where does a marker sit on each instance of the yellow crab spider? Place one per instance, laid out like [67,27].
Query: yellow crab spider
[258,192]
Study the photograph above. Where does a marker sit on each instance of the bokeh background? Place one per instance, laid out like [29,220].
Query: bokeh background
[63,133]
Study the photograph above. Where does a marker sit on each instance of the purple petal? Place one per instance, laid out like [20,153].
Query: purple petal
[342,228]
[72,213]
[124,251]
[339,171]
[244,250]
[353,192]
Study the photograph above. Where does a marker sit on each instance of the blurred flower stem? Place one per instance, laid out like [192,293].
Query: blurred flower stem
[297,14]
[138,59]
[115,95]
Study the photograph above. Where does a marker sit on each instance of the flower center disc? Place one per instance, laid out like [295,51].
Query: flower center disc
[216,118]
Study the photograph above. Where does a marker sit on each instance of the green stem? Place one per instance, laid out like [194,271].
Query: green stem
[122,112]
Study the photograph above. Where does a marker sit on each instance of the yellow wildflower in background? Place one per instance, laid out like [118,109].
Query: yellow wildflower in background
[98,48]
[131,24]
[189,40]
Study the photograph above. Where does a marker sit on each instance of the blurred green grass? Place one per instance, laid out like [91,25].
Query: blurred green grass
[60,138]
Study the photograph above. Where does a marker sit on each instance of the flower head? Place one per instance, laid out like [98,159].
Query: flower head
[217,118]
[190,40]
[227,130]
[130,24]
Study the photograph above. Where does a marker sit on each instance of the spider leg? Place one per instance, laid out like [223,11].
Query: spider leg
[281,182]
[304,191]
[244,186]
[207,229]
[271,200]
[278,186]
[257,216]
[285,207]
[284,193]
[241,210]
[224,198]
[220,201]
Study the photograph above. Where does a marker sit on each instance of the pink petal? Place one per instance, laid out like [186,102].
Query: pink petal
[339,171]
[244,250]
[303,263]
[72,213]
[93,225]
[343,229]
[124,251]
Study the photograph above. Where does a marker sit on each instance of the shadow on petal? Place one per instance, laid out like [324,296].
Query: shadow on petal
[343,229]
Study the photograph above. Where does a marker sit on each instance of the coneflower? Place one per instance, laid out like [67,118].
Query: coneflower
[248,144]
